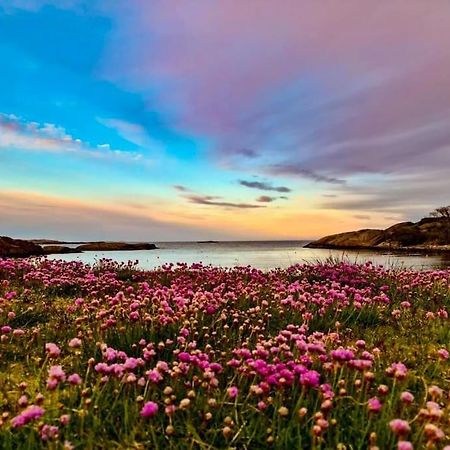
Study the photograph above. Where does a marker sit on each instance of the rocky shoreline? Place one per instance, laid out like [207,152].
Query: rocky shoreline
[429,235]
[20,248]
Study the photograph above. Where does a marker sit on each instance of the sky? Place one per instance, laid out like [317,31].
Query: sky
[198,119]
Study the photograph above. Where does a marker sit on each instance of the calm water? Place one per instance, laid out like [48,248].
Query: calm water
[260,254]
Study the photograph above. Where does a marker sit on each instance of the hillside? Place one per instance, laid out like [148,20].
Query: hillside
[427,234]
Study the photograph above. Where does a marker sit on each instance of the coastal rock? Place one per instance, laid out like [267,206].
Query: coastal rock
[18,248]
[114,246]
[59,249]
[427,234]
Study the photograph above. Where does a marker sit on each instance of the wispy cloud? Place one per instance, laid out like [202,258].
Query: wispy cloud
[295,169]
[265,199]
[16,133]
[132,132]
[210,200]
[264,186]
[181,188]
[247,152]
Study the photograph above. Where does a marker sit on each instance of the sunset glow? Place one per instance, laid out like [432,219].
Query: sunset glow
[160,120]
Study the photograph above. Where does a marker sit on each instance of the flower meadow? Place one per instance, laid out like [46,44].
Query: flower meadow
[326,356]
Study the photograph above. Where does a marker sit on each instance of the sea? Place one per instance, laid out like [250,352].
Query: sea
[263,255]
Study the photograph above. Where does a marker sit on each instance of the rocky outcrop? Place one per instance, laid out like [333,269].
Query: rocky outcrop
[58,249]
[18,248]
[430,234]
[114,246]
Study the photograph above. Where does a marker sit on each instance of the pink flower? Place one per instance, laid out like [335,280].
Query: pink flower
[443,353]
[310,378]
[435,391]
[49,432]
[400,427]
[149,409]
[33,412]
[64,419]
[232,392]
[404,445]
[75,343]
[407,397]
[184,357]
[134,316]
[397,370]
[74,379]
[23,401]
[374,405]
[433,432]
[57,373]
[262,405]
[52,350]
[154,376]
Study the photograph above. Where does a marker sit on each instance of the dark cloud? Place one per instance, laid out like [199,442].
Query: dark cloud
[293,169]
[212,201]
[265,199]
[329,195]
[263,186]
[247,152]
[181,188]
[408,196]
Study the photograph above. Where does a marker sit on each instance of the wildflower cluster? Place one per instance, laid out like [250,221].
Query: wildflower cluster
[314,356]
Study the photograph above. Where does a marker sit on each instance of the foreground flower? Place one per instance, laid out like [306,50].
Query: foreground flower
[400,427]
[31,413]
[374,405]
[52,350]
[149,409]
[233,392]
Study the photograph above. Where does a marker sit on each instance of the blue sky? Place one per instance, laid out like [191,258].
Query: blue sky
[140,120]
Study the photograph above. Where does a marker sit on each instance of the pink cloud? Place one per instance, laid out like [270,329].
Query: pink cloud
[296,81]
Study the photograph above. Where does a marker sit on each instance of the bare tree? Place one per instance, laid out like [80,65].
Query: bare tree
[443,213]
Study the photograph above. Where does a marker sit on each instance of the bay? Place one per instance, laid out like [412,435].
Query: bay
[260,254]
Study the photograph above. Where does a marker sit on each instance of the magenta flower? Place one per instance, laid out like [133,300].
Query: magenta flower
[232,392]
[184,357]
[52,350]
[57,373]
[49,432]
[400,427]
[406,397]
[31,413]
[75,343]
[74,379]
[397,370]
[374,405]
[149,409]
[310,378]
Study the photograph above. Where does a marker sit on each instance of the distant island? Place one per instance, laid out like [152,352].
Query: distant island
[430,235]
[20,248]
